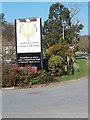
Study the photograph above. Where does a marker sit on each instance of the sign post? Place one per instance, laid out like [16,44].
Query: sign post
[29,42]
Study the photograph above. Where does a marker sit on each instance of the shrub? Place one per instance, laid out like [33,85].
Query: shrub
[12,75]
[43,77]
[57,58]
[9,75]
[46,77]
[55,63]
[76,66]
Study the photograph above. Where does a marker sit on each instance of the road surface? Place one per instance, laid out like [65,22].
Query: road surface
[62,100]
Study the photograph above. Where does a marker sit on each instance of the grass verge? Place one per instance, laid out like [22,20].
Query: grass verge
[83,71]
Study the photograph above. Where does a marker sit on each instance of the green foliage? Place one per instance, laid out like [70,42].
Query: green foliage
[59,49]
[57,58]
[76,66]
[43,77]
[58,17]
[54,63]
[52,29]
[80,71]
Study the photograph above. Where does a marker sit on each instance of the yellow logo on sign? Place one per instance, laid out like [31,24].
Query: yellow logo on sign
[28,29]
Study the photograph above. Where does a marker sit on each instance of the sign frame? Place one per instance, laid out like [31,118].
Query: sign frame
[38,61]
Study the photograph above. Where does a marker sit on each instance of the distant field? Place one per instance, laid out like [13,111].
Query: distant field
[83,71]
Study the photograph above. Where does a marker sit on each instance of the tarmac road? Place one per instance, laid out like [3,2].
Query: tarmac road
[62,100]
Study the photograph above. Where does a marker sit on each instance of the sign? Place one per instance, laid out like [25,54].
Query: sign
[28,41]
[33,59]
[28,35]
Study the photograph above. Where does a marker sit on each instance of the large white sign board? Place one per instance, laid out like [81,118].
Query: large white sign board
[28,34]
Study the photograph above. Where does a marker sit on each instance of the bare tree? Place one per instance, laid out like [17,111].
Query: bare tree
[74,10]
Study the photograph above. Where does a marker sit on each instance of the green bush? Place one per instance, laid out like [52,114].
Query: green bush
[57,58]
[76,66]
[55,64]
[62,71]
[43,77]
[46,77]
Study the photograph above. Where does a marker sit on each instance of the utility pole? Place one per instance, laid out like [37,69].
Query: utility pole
[65,26]
[63,31]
